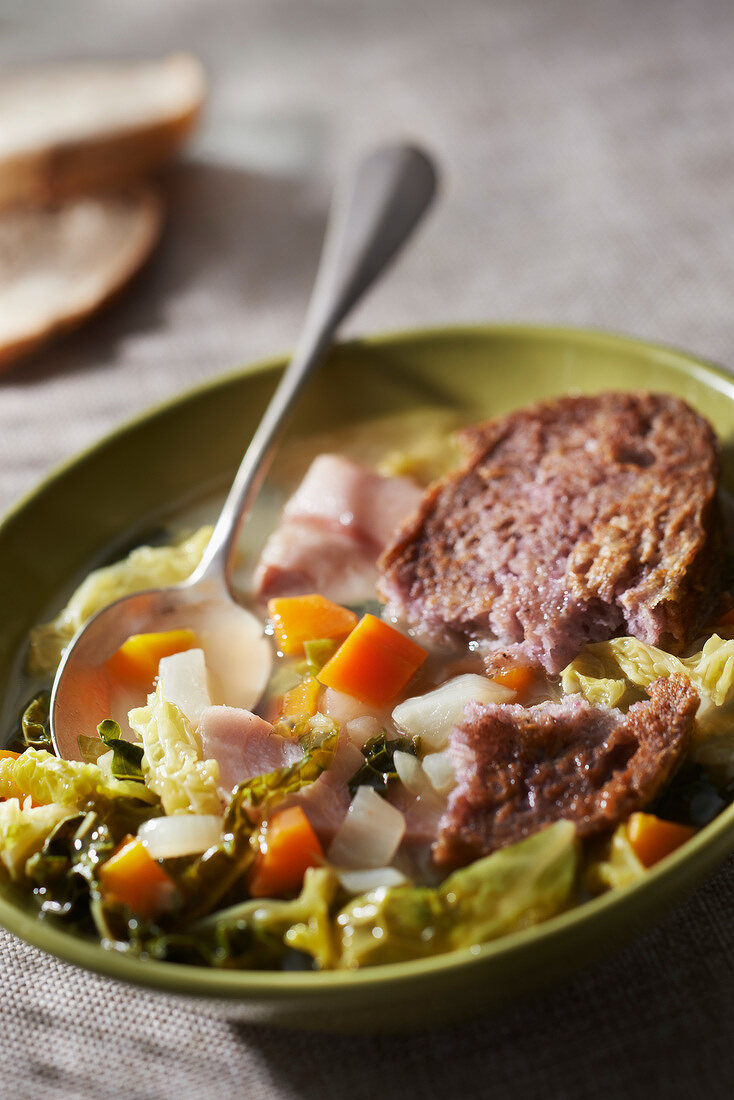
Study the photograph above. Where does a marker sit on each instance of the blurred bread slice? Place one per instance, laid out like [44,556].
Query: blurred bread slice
[59,264]
[84,126]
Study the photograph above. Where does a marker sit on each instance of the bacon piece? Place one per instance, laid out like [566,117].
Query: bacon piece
[326,801]
[334,527]
[349,497]
[243,745]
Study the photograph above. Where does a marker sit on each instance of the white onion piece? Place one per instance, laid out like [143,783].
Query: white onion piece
[414,779]
[411,773]
[359,730]
[345,708]
[238,655]
[180,835]
[361,882]
[183,680]
[104,762]
[369,835]
[440,771]
[432,716]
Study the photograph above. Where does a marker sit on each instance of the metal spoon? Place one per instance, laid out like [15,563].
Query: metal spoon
[388,194]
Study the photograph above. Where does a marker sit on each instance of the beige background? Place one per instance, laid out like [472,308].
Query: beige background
[588,155]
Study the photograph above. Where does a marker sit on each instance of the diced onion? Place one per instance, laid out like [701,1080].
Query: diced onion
[370,834]
[414,779]
[183,680]
[361,882]
[180,835]
[432,716]
[440,771]
[359,730]
[104,761]
[411,773]
[345,708]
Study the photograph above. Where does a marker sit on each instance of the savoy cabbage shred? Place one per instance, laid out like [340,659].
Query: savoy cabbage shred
[172,763]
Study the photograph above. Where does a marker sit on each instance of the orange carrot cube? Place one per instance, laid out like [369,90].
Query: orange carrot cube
[519,678]
[133,877]
[136,661]
[299,619]
[288,847]
[374,663]
[652,838]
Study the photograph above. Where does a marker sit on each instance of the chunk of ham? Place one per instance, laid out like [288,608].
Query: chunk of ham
[326,801]
[333,529]
[299,558]
[337,491]
[243,745]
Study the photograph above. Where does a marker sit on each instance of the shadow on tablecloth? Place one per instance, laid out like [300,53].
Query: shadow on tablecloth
[230,235]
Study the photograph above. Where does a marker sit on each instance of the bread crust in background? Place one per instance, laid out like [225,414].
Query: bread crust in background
[91,153]
[120,231]
[77,220]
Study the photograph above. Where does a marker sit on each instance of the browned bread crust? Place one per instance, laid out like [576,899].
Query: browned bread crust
[519,768]
[128,119]
[569,521]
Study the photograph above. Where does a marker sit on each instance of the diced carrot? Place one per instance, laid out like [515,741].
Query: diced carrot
[653,839]
[288,847]
[8,754]
[136,661]
[302,699]
[374,663]
[299,619]
[519,678]
[133,877]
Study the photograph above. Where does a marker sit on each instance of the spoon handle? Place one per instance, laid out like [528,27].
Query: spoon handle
[386,197]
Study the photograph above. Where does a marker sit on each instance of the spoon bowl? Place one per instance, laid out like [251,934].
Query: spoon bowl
[84,694]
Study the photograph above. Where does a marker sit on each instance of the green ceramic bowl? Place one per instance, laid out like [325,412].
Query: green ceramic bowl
[194,444]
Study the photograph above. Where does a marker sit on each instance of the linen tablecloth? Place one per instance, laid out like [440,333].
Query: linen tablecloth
[588,157]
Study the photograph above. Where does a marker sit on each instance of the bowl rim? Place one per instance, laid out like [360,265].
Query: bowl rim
[273,986]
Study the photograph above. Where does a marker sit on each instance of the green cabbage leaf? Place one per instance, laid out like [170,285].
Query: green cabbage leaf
[611,670]
[172,765]
[145,567]
[245,934]
[619,866]
[65,871]
[260,933]
[23,832]
[47,779]
[511,889]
